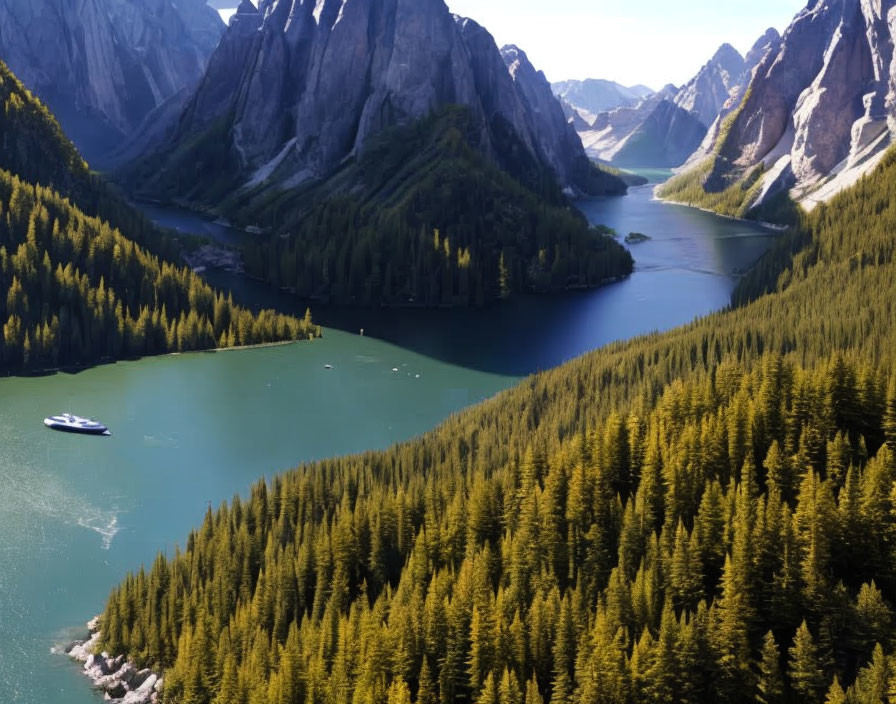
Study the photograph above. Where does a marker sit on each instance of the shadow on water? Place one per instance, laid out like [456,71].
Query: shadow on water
[689,268]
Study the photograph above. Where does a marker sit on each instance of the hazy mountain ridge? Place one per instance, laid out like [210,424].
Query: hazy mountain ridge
[665,128]
[595,95]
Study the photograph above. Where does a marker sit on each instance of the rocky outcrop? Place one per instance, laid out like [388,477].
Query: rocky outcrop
[119,679]
[594,96]
[820,109]
[297,86]
[103,65]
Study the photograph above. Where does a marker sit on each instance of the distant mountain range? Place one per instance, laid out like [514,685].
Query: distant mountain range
[665,128]
[818,114]
[595,95]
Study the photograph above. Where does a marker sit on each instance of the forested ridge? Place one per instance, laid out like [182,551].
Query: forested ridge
[420,217]
[34,148]
[703,515]
[75,289]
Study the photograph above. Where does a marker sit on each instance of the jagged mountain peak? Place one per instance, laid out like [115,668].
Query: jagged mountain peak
[669,90]
[768,42]
[728,57]
[247,7]
[518,62]
[305,84]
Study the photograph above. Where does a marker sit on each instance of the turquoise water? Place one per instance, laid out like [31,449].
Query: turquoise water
[189,431]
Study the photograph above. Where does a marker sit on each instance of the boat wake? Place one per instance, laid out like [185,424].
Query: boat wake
[33,500]
[106,525]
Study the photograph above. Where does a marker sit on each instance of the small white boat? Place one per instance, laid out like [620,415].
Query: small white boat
[69,423]
[328,366]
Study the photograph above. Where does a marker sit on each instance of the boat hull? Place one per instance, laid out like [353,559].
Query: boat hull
[75,430]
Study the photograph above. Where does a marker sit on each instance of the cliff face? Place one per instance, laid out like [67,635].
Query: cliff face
[666,138]
[705,95]
[103,65]
[820,111]
[297,86]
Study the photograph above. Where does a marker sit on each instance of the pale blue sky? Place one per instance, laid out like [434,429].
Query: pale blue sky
[631,41]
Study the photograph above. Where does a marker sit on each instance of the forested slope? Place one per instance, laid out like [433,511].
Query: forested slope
[75,289]
[704,515]
[421,217]
[34,148]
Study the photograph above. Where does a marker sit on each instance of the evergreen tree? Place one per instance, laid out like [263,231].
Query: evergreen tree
[770,684]
[806,675]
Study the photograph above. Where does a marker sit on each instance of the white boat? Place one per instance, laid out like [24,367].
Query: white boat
[328,366]
[69,423]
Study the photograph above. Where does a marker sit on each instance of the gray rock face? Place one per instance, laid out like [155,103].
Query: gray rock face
[555,141]
[768,43]
[706,94]
[665,139]
[299,85]
[820,111]
[103,65]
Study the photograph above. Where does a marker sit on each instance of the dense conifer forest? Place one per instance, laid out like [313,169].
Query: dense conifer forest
[34,148]
[78,291]
[703,515]
[421,217]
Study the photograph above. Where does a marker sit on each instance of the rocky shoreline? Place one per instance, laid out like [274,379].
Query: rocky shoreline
[117,677]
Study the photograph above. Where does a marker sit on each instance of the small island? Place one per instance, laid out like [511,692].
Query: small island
[636,238]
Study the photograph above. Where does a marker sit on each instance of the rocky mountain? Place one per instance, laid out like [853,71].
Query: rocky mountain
[666,138]
[296,86]
[665,129]
[595,95]
[574,117]
[705,95]
[611,131]
[103,65]
[768,43]
[819,113]
[348,131]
